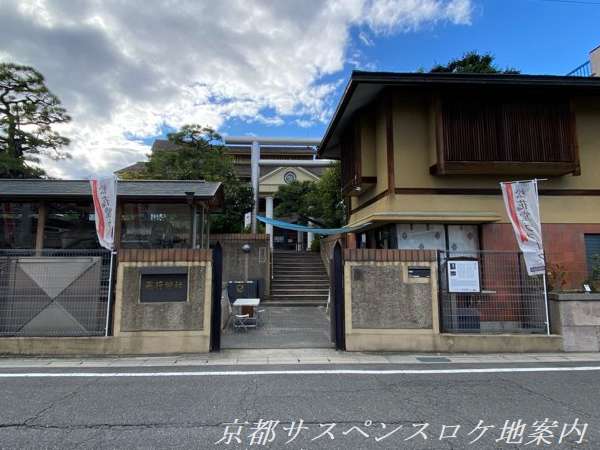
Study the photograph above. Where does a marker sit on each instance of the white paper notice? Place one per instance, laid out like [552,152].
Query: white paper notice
[463,276]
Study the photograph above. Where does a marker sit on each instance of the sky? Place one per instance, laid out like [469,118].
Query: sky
[129,72]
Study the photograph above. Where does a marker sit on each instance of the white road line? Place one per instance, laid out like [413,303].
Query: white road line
[297,372]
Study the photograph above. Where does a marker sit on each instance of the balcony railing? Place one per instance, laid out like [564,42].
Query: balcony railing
[584,70]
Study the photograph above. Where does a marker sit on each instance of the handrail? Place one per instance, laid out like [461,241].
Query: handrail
[584,70]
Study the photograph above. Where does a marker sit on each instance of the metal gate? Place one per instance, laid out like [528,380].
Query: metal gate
[336,308]
[53,292]
[508,299]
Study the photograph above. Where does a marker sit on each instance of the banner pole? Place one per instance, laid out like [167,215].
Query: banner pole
[110,279]
[546,303]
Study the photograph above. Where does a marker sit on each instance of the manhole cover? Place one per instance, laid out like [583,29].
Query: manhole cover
[433,359]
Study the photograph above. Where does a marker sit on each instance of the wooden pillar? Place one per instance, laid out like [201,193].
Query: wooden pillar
[41,224]
[389,143]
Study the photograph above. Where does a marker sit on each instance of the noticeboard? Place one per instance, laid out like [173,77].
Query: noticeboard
[463,276]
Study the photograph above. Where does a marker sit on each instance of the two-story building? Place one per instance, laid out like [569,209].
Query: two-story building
[422,157]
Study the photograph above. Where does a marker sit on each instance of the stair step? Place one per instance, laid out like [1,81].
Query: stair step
[287,293]
[299,272]
[297,263]
[317,262]
[303,295]
[294,277]
[294,303]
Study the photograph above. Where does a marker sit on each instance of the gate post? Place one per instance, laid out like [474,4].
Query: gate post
[337,312]
[217,287]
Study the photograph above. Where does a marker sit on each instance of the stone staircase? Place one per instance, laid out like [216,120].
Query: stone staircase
[299,279]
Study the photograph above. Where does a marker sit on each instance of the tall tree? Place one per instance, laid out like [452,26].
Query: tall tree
[472,62]
[200,155]
[320,201]
[27,112]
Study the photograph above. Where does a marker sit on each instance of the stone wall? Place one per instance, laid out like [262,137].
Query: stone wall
[384,297]
[181,325]
[162,316]
[388,310]
[577,318]
[234,259]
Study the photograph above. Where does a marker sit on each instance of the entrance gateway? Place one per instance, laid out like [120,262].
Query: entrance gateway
[377,298]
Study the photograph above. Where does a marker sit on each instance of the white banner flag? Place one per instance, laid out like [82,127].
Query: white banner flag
[522,206]
[104,193]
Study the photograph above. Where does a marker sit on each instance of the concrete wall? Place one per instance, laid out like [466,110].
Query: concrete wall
[148,343]
[385,310]
[161,316]
[142,328]
[259,258]
[383,297]
[577,318]
[172,327]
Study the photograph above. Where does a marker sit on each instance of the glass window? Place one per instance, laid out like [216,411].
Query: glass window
[18,224]
[592,253]
[383,237]
[70,225]
[156,225]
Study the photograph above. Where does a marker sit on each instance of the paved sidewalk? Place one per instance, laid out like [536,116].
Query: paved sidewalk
[296,357]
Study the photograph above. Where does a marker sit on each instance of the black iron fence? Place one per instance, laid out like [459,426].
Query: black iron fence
[490,292]
[53,292]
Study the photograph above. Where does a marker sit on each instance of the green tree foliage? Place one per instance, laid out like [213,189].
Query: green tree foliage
[472,62]
[321,200]
[292,200]
[200,155]
[27,112]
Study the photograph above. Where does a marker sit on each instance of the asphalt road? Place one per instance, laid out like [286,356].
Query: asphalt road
[348,410]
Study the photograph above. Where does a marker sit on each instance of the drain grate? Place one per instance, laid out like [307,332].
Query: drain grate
[432,359]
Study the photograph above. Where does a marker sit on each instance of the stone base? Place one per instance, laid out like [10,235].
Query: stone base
[504,325]
[577,318]
[147,344]
[449,343]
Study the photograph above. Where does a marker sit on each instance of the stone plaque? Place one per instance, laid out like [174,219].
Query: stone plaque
[163,287]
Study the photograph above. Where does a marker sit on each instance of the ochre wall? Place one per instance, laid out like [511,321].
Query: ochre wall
[373,151]
[414,145]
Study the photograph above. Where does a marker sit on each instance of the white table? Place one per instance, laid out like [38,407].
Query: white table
[252,321]
[247,302]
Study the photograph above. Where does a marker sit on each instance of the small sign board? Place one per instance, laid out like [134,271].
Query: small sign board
[463,276]
[163,287]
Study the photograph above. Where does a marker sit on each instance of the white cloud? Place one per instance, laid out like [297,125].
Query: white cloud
[366,39]
[128,68]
